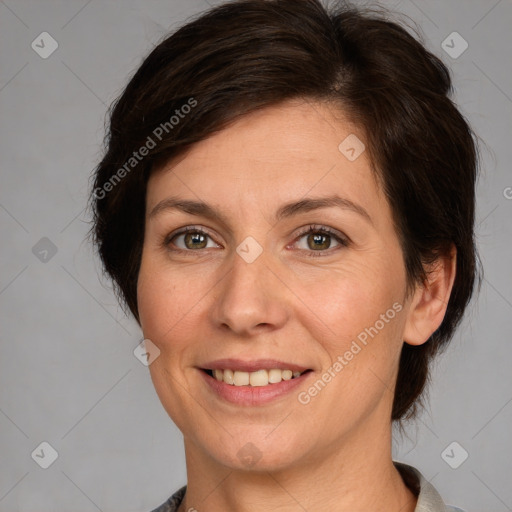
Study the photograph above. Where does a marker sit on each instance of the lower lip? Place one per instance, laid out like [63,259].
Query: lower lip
[253,395]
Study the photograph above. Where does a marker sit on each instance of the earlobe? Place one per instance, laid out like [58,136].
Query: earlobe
[430,300]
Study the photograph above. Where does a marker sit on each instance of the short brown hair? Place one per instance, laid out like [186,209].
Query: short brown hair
[250,54]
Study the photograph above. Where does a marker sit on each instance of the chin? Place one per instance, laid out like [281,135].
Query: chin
[256,453]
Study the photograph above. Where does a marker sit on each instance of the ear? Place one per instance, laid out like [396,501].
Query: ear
[430,300]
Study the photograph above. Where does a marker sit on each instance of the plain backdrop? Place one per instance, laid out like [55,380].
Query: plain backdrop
[68,375]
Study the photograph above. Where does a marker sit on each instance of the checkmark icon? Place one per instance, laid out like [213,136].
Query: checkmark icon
[44,455]
[249,454]
[454,455]
[454,45]
[351,147]
[351,152]
[146,352]
[249,250]
[44,250]
[44,45]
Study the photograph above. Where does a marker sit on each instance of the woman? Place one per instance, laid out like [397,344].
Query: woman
[286,206]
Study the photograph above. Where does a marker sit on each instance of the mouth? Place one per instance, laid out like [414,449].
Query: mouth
[253,383]
[258,378]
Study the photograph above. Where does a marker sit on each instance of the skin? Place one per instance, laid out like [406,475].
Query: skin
[203,304]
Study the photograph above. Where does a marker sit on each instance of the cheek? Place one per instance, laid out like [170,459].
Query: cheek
[353,296]
[166,308]
[165,299]
[361,303]
[365,331]
[362,348]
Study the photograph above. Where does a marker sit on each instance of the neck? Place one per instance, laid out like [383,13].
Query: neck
[357,476]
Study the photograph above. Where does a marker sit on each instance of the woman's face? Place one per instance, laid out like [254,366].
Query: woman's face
[290,262]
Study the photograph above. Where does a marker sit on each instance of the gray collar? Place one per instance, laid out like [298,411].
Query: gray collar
[429,499]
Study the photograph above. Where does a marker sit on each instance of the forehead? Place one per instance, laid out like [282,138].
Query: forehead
[274,155]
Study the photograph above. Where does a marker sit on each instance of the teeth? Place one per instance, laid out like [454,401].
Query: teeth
[241,379]
[228,377]
[274,376]
[287,374]
[258,378]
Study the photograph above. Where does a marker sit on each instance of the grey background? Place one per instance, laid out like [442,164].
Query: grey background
[68,375]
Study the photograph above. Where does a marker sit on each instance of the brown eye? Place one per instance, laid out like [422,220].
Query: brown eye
[319,239]
[195,240]
[191,240]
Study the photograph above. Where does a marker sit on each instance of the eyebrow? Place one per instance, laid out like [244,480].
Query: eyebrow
[200,208]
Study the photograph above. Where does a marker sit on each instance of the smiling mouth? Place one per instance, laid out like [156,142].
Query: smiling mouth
[257,378]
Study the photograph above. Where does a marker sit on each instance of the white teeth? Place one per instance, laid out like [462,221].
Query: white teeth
[229,376]
[241,378]
[274,376]
[287,374]
[257,378]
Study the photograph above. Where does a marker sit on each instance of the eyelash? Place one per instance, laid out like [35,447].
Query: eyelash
[324,230]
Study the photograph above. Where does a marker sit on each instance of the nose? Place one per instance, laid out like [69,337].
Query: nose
[250,299]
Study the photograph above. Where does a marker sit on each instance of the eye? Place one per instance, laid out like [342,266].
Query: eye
[320,239]
[190,239]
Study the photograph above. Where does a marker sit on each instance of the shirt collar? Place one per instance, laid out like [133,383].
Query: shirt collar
[429,499]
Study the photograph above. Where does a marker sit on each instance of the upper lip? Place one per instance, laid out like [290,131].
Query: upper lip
[252,366]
